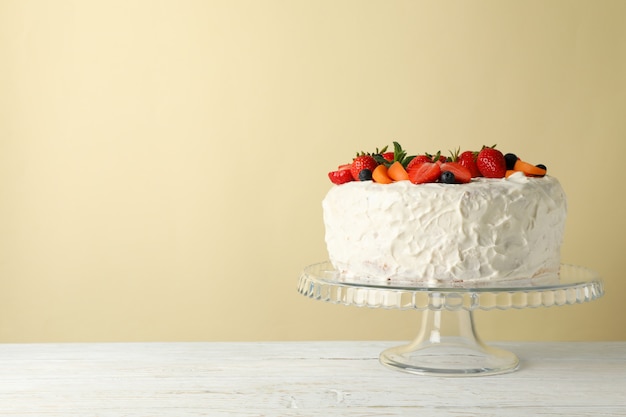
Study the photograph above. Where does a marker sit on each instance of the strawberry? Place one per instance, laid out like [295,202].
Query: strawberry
[423,173]
[462,175]
[388,156]
[468,160]
[360,163]
[438,157]
[491,163]
[341,176]
[418,160]
[344,166]
[382,156]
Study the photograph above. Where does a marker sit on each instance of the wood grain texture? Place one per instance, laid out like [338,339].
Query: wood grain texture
[299,379]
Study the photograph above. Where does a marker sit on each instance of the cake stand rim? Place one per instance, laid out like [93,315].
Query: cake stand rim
[364,294]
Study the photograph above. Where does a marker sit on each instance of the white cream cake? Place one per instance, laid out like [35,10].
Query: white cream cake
[487,230]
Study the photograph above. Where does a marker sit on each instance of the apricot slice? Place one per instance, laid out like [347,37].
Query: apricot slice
[529,169]
[380,175]
[397,172]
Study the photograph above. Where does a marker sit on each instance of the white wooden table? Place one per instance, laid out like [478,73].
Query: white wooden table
[299,379]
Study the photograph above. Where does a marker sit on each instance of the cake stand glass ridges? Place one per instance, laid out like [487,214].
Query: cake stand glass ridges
[447,343]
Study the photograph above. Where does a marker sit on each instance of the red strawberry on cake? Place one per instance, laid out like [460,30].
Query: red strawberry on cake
[468,160]
[361,162]
[491,162]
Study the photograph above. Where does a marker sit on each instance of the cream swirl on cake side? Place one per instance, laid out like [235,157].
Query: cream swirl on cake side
[486,230]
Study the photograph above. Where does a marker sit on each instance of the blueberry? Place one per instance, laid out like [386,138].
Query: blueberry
[510,159]
[365,175]
[542,166]
[447,177]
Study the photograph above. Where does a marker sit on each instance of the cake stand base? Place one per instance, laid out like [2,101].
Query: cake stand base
[447,345]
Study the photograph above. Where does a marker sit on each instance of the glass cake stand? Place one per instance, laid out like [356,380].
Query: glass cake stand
[447,343]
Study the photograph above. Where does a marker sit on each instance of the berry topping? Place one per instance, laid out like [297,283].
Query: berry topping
[386,167]
[462,175]
[388,156]
[418,160]
[424,173]
[491,163]
[438,157]
[468,160]
[382,156]
[365,175]
[340,176]
[510,159]
[447,177]
[361,162]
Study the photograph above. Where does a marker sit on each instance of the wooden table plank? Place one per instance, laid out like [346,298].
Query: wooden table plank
[299,378]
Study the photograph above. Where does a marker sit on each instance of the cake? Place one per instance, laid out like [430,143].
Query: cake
[474,218]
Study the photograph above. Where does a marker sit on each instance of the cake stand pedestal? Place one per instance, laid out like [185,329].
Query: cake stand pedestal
[447,343]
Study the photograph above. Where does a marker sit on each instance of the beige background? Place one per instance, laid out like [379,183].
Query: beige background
[162,163]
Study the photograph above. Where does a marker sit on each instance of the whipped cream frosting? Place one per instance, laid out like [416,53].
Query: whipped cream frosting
[487,230]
